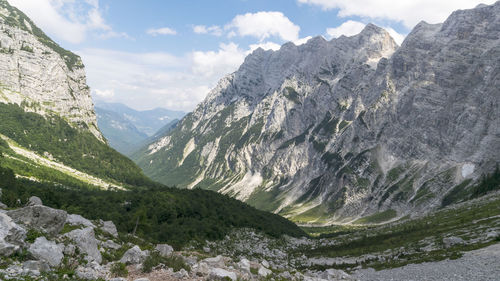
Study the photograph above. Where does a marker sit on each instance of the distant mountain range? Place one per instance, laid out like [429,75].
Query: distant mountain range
[127,129]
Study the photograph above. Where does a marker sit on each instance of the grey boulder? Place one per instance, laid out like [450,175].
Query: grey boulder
[79,220]
[11,235]
[48,251]
[42,218]
[165,250]
[134,255]
[109,227]
[39,266]
[86,242]
[222,274]
[34,201]
[452,241]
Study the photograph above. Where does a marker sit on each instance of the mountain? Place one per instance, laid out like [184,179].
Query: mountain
[341,130]
[127,129]
[51,147]
[39,75]
[49,130]
[146,121]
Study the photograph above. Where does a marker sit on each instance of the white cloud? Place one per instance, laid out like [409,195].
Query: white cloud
[263,25]
[68,20]
[161,31]
[147,80]
[302,40]
[266,46]
[407,12]
[225,60]
[350,28]
[104,94]
[213,30]
[347,28]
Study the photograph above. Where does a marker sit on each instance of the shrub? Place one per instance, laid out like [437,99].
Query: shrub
[119,270]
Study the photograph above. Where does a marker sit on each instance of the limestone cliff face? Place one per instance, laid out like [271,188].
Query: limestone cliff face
[39,75]
[337,130]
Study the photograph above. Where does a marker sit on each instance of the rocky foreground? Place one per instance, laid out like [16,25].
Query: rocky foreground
[41,243]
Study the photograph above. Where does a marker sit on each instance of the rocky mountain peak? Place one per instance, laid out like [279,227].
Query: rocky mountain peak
[331,131]
[39,75]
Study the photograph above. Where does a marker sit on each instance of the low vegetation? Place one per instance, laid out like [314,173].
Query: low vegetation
[412,240]
[158,214]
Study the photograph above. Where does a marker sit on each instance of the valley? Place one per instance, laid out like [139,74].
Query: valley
[352,158]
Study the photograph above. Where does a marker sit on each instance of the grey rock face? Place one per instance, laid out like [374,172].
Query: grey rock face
[11,235]
[39,75]
[452,241]
[222,274]
[79,220]
[85,240]
[165,250]
[39,266]
[109,244]
[109,227]
[47,251]
[42,218]
[349,127]
[134,255]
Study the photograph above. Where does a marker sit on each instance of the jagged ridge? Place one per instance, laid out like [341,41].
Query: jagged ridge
[334,131]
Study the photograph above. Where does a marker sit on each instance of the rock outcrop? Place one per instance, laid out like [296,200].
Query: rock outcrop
[47,251]
[11,235]
[39,75]
[87,243]
[332,131]
[47,219]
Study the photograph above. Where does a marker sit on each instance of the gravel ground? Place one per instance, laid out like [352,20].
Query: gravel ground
[482,264]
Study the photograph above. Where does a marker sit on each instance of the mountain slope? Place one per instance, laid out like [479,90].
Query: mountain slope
[336,131]
[49,129]
[39,75]
[67,163]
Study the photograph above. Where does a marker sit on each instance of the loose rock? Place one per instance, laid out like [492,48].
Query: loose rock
[48,251]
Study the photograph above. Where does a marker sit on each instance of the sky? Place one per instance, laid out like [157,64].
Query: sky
[170,53]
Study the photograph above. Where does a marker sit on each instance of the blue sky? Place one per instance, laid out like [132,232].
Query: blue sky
[170,53]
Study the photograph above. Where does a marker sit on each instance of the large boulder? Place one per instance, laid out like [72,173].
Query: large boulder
[222,274]
[263,272]
[45,250]
[86,242]
[134,255]
[90,271]
[165,250]
[244,265]
[109,227]
[42,218]
[79,220]
[110,244]
[40,266]
[11,235]
[452,241]
[34,201]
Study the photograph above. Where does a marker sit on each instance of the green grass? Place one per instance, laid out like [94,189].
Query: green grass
[378,217]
